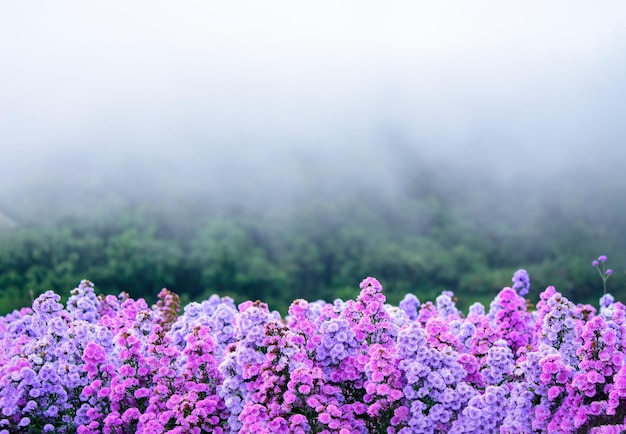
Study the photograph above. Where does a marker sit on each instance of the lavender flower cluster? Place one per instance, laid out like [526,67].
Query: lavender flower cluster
[105,364]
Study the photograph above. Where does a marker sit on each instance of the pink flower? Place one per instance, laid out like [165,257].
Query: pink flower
[142,392]
[553,392]
[382,389]
[324,418]
[304,389]
[131,414]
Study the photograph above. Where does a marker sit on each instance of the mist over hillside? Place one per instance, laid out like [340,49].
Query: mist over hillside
[501,121]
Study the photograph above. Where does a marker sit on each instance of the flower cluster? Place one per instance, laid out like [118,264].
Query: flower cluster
[521,282]
[116,365]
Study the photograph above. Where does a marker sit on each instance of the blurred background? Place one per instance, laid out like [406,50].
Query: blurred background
[284,150]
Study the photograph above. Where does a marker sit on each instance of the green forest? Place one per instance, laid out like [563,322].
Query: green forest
[429,237]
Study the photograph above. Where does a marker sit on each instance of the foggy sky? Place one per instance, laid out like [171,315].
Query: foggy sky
[251,96]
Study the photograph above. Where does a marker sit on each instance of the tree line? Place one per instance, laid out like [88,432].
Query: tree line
[321,249]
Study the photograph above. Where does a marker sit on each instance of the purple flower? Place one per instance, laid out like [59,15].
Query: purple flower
[410,305]
[521,282]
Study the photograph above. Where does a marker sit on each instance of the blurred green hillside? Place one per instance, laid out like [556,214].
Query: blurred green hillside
[434,235]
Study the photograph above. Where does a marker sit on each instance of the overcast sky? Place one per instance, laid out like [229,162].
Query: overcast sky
[243,87]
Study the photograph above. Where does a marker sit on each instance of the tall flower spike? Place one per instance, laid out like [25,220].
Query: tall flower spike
[599,265]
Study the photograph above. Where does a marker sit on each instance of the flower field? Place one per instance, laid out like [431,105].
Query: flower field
[107,364]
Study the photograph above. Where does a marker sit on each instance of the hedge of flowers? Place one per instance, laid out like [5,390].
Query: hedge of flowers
[106,364]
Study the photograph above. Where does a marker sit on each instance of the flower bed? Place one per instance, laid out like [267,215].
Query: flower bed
[115,365]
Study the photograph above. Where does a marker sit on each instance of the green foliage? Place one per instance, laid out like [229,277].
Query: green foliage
[426,241]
